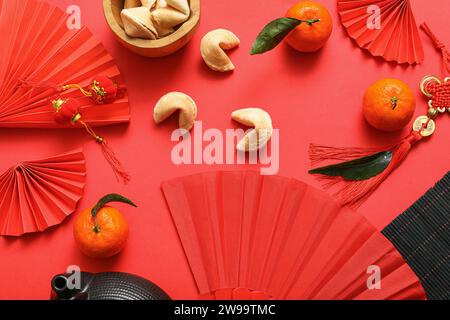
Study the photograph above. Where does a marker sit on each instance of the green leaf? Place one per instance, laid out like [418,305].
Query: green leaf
[113,197]
[359,169]
[273,33]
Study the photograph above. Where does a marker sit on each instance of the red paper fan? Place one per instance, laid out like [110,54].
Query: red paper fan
[39,194]
[38,53]
[386,28]
[248,236]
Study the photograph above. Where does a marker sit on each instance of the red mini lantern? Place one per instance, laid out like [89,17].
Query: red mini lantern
[101,90]
[66,110]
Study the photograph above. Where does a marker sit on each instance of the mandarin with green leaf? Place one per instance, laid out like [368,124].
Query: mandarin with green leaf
[102,231]
[306,27]
[312,35]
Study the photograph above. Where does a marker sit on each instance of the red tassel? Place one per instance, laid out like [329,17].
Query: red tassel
[354,193]
[318,153]
[109,155]
[33,83]
[37,85]
[115,164]
[67,110]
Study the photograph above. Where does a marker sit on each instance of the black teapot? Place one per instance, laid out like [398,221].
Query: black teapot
[105,286]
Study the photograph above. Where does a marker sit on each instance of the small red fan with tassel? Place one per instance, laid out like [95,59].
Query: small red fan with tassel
[364,169]
[41,57]
[248,236]
[386,28]
[36,195]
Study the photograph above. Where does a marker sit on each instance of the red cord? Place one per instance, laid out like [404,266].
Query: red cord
[439,45]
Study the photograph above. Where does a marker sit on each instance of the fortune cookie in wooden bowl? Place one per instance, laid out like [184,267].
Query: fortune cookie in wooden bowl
[148,28]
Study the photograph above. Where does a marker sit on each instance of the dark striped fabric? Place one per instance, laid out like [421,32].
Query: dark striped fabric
[422,235]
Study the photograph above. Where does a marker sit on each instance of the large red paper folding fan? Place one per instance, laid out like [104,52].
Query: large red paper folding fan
[248,236]
[386,28]
[39,52]
[39,194]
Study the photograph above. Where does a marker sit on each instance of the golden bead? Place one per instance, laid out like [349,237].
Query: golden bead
[432,112]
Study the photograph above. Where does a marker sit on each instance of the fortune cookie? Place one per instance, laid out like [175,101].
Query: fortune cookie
[132,4]
[258,137]
[180,5]
[172,102]
[148,3]
[212,49]
[153,19]
[139,3]
[138,23]
[170,14]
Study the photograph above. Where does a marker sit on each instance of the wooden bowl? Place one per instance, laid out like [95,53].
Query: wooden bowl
[152,48]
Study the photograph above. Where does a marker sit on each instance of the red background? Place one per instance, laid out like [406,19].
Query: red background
[311,98]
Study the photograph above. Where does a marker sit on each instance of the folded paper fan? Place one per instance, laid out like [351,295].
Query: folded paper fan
[248,236]
[36,195]
[39,53]
[386,28]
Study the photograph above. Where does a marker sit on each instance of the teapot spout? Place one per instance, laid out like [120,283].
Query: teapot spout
[60,289]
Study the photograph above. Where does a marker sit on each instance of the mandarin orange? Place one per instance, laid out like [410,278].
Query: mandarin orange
[101,231]
[312,35]
[389,104]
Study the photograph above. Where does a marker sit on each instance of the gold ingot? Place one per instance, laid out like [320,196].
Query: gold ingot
[428,130]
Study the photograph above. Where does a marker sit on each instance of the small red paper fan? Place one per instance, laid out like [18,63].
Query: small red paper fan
[397,39]
[248,236]
[36,195]
[38,53]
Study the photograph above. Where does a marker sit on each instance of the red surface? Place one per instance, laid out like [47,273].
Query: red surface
[311,98]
